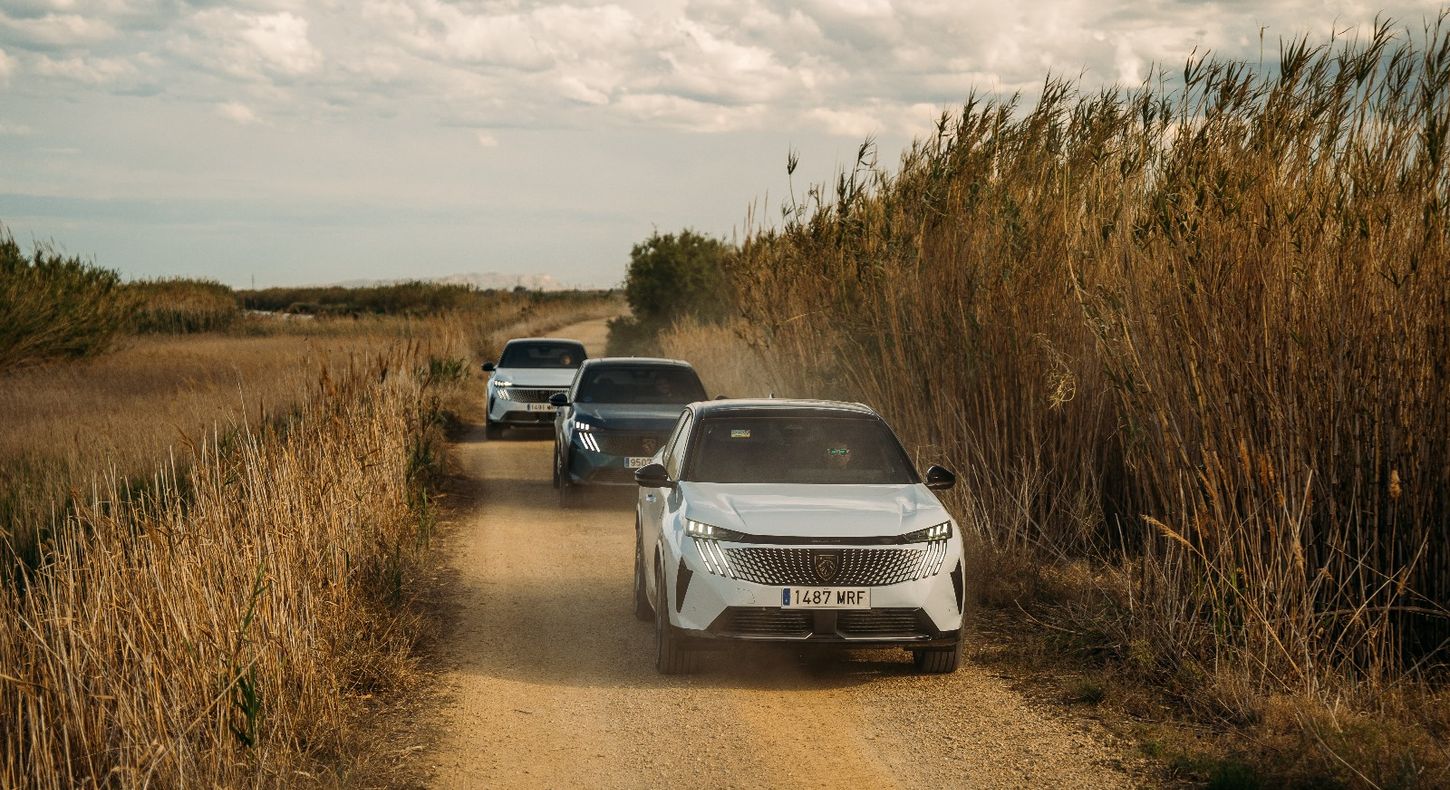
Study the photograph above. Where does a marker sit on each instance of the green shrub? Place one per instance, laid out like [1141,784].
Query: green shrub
[670,277]
[54,306]
[180,306]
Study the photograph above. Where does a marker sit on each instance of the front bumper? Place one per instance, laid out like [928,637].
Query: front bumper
[922,613]
[587,467]
[600,467]
[512,411]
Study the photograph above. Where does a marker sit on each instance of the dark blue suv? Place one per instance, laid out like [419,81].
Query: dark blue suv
[614,418]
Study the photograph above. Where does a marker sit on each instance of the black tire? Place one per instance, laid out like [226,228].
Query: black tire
[939,660]
[671,655]
[642,609]
[568,493]
[556,467]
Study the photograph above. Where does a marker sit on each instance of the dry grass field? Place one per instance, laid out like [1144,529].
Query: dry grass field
[212,543]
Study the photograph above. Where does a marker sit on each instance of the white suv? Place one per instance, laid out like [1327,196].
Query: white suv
[795,522]
[529,371]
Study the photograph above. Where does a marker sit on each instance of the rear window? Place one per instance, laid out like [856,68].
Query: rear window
[639,384]
[542,355]
[842,450]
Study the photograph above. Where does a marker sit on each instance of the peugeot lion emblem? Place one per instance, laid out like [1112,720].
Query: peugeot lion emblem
[826,563]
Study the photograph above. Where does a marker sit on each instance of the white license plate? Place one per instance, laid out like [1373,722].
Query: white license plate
[541,407]
[825,598]
[637,463]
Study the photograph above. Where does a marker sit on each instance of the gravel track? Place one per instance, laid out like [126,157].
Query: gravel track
[550,680]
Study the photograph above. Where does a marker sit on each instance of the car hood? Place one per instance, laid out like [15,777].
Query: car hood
[536,377]
[814,510]
[658,418]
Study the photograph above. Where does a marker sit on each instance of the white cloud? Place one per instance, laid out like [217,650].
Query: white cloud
[238,112]
[683,113]
[845,123]
[57,30]
[280,40]
[256,47]
[487,140]
[7,67]
[85,70]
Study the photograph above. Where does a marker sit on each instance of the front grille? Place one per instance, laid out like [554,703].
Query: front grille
[859,566]
[879,622]
[907,625]
[751,621]
[532,394]
[628,443]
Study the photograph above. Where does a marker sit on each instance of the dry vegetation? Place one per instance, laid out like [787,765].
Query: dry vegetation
[211,556]
[1196,337]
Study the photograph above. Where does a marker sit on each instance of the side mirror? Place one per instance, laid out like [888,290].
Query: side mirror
[489,367]
[559,399]
[653,476]
[940,479]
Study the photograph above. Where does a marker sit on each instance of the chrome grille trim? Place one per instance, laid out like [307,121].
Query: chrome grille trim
[533,394]
[628,443]
[866,567]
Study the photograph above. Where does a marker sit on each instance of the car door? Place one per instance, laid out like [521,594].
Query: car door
[561,415]
[653,501]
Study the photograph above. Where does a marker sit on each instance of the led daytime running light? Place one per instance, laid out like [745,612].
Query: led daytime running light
[937,533]
[707,539]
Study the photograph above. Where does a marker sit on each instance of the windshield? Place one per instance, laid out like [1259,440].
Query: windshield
[655,385]
[841,450]
[542,355]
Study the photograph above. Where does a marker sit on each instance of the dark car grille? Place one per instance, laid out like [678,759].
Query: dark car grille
[532,394]
[879,622]
[752,621]
[771,622]
[859,566]
[628,443]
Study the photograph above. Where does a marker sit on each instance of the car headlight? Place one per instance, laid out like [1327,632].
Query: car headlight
[707,542]
[501,389]
[584,435]
[699,529]
[936,533]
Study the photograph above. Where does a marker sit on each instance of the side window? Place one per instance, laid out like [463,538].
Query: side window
[574,386]
[674,457]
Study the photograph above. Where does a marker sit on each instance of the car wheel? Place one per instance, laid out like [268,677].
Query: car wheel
[556,467]
[671,657]
[642,609]
[939,660]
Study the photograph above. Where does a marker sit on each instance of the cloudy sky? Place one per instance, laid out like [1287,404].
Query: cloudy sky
[304,141]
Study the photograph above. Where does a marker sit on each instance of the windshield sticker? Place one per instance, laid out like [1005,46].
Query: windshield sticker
[839,451]
[739,433]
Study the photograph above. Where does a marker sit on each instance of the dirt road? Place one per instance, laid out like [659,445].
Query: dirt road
[552,683]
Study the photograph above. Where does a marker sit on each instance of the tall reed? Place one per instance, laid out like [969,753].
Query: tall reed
[211,627]
[1204,325]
